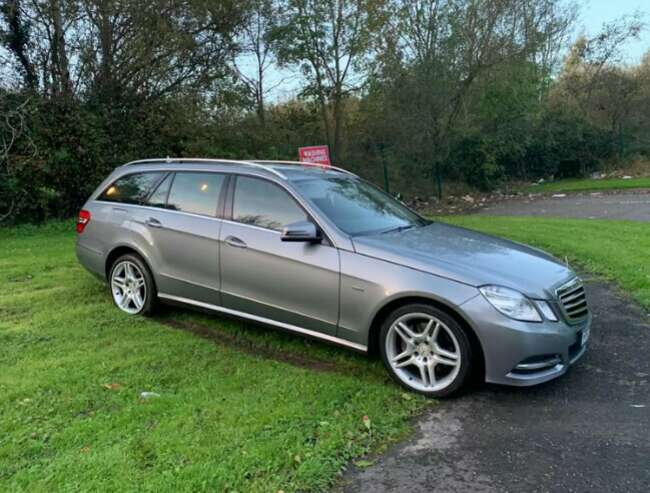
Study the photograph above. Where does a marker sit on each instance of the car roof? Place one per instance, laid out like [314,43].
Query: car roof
[287,170]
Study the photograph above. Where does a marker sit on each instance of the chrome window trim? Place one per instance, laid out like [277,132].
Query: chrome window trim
[336,237]
[292,328]
[165,173]
[162,209]
[254,226]
[205,217]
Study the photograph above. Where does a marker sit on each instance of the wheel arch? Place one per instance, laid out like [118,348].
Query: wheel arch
[124,249]
[392,305]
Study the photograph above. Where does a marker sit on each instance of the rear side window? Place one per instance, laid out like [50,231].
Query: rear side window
[197,193]
[262,203]
[131,189]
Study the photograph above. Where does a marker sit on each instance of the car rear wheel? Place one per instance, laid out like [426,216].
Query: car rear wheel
[425,350]
[132,285]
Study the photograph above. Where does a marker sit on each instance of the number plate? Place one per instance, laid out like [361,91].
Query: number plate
[584,336]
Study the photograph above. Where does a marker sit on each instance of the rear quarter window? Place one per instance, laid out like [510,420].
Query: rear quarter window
[131,189]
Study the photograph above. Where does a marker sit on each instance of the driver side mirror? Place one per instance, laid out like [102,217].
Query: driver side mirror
[301,231]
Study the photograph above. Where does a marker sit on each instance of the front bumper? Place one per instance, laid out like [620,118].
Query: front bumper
[524,353]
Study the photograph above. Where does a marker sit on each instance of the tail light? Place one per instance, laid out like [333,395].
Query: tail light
[82,220]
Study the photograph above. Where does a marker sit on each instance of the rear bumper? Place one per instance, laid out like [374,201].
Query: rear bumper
[92,260]
[524,353]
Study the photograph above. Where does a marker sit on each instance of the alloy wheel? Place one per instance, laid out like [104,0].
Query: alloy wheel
[423,352]
[128,287]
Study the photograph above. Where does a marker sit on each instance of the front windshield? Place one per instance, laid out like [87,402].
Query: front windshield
[356,207]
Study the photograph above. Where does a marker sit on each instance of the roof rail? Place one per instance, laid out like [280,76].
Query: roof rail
[171,160]
[302,163]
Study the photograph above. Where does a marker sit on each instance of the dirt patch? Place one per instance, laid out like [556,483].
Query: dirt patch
[622,204]
[249,347]
[459,204]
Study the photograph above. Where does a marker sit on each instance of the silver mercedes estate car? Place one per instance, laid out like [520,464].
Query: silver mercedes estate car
[318,251]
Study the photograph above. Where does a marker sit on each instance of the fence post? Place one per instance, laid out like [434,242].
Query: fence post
[438,180]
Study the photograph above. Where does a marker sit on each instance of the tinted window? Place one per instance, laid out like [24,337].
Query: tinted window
[197,193]
[264,204]
[131,189]
[159,197]
[357,207]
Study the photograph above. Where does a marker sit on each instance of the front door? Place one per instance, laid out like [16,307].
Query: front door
[293,283]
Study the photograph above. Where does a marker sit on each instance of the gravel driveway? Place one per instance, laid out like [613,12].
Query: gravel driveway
[634,206]
[587,431]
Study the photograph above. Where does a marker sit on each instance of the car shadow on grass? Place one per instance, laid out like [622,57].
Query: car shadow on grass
[261,341]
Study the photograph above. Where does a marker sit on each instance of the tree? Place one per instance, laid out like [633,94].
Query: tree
[596,85]
[46,29]
[17,38]
[255,46]
[331,41]
[155,49]
[13,130]
[446,51]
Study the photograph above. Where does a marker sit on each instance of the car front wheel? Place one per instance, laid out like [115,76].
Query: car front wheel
[425,350]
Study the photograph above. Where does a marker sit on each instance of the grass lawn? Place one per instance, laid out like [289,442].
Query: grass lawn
[271,412]
[618,250]
[257,410]
[585,185]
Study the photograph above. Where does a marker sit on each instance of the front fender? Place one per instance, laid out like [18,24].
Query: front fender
[368,284]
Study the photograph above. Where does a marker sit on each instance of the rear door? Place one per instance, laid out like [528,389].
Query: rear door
[294,283]
[180,220]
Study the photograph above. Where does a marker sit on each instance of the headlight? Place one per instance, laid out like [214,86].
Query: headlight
[546,310]
[511,303]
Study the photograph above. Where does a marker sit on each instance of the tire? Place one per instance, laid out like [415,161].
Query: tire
[425,350]
[131,278]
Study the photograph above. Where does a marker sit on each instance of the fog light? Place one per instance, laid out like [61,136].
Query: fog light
[537,363]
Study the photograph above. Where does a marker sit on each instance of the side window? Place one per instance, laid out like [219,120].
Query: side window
[197,193]
[131,189]
[262,203]
[159,197]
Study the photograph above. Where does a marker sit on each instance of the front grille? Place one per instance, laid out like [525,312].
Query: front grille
[573,300]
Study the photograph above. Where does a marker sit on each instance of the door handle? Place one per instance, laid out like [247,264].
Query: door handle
[153,223]
[235,242]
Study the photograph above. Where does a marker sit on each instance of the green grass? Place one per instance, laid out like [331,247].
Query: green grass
[229,417]
[72,368]
[585,185]
[618,250]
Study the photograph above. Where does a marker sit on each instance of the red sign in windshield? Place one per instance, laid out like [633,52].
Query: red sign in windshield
[315,154]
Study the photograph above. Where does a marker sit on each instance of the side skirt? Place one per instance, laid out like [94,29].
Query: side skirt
[267,321]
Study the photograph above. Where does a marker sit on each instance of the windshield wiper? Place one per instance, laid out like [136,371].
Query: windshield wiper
[397,229]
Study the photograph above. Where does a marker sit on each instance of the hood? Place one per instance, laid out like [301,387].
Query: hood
[468,256]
